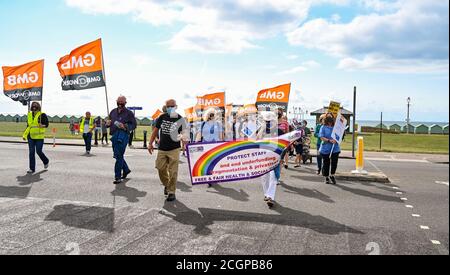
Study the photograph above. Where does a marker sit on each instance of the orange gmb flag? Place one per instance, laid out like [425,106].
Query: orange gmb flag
[191,115]
[277,97]
[83,67]
[216,100]
[24,83]
[157,114]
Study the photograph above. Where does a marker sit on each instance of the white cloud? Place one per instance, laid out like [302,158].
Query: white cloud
[305,66]
[298,69]
[404,40]
[209,26]
[380,64]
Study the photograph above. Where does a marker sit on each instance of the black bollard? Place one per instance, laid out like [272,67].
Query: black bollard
[145,139]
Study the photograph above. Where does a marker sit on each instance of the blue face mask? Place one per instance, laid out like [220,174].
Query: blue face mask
[171,110]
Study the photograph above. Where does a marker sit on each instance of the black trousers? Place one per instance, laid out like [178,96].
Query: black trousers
[327,162]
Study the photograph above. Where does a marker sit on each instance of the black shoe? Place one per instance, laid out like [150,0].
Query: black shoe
[319,171]
[327,180]
[286,166]
[270,203]
[171,197]
[166,193]
[297,166]
[333,180]
[117,181]
[125,175]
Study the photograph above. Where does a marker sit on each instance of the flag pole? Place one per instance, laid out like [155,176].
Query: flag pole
[104,79]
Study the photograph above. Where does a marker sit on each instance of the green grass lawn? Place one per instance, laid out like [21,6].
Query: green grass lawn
[12,129]
[435,144]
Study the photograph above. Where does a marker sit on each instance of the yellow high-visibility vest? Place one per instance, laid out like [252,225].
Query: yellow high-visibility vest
[91,124]
[33,127]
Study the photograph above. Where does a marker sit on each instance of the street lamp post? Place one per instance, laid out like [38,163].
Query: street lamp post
[407,116]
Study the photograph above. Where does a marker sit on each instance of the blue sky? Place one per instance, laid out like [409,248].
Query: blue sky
[155,50]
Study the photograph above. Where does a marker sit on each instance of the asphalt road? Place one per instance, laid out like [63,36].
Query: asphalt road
[73,208]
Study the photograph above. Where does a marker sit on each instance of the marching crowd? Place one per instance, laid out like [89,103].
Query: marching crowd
[172,133]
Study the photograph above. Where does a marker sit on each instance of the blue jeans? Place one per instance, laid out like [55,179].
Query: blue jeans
[87,141]
[35,146]
[119,147]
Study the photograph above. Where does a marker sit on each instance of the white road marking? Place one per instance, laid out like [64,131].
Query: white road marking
[404,199]
[416,215]
[399,160]
[435,242]
[442,182]
[396,188]
[409,206]
[399,193]
[424,227]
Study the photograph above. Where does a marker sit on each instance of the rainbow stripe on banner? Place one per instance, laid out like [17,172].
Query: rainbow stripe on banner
[206,164]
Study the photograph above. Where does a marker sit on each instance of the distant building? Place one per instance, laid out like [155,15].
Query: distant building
[411,129]
[422,129]
[56,119]
[346,113]
[65,119]
[436,130]
[9,118]
[2,117]
[384,126]
[395,128]
[145,122]
[445,129]
[24,118]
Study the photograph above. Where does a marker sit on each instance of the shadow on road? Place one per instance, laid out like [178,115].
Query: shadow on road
[130,193]
[14,191]
[285,216]
[179,212]
[29,179]
[314,178]
[83,217]
[368,194]
[240,195]
[305,192]
[183,187]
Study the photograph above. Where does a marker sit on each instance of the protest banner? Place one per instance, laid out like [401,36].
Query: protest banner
[339,128]
[236,160]
[24,83]
[334,108]
[274,98]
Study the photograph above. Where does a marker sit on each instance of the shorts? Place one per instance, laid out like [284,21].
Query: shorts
[299,149]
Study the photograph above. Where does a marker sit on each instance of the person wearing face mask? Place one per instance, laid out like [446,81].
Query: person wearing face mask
[35,133]
[211,129]
[121,122]
[86,127]
[172,128]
